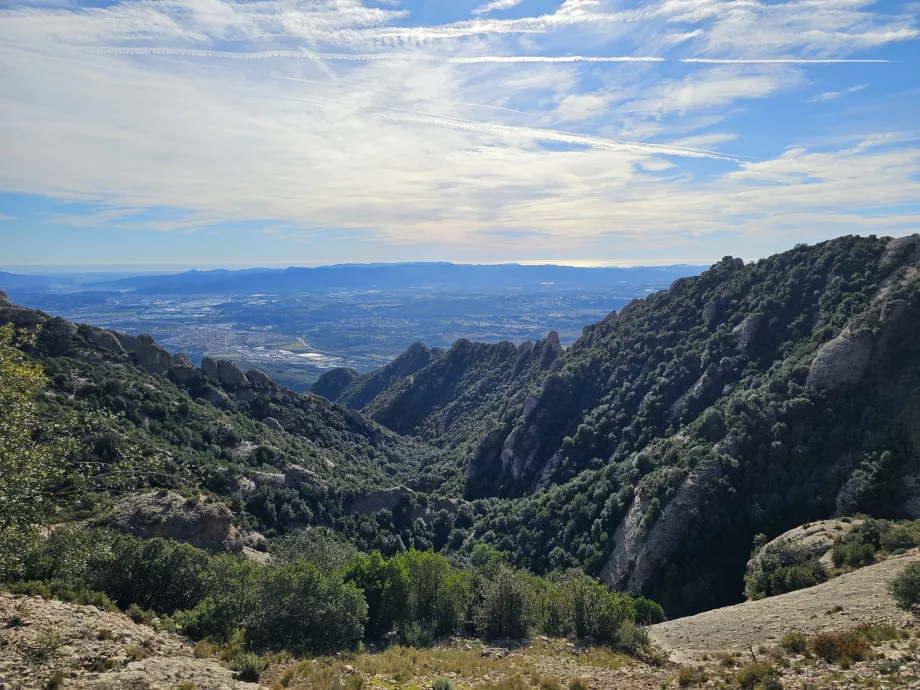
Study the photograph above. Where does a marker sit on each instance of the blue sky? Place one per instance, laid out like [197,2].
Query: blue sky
[278,132]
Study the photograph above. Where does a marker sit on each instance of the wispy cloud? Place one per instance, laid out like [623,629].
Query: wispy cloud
[496,5]
[834,95]
[565,130]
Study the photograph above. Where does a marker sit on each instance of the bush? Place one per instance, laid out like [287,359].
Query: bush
[782,567]
[597,613]
[442,684]
[248,666]
[632,638]
[905,588]
[750,675]
[298,607]
[771,682]
[794,642]
[507,608]
[838,647]
[648,612]
[689,675]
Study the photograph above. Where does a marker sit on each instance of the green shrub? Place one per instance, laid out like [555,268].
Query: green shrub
[750,675]
[248,666]
[442,684]
[632,638]
[782,567]
[417,635]
[508,605]
[648,612]
[597,613]
[298,607]
[794,641]
[905,588]
[386,589]
[771,682]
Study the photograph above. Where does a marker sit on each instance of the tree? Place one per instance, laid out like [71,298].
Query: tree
[905,588]
[33,457]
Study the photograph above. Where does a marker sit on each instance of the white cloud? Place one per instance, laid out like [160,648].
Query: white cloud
[330,114]
[834,95]
[496,5]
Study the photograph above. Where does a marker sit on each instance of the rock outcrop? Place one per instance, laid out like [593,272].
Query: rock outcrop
[168,515]
[209,367]
[230,374]
[150,355]
[841,362]
[641,545]
[4,300]
[273,424]
[814,538]
[91,661]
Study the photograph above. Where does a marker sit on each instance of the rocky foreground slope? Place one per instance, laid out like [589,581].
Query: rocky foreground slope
[86,648]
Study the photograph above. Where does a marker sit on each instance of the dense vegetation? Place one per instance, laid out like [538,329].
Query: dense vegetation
[649,453]
[317,595]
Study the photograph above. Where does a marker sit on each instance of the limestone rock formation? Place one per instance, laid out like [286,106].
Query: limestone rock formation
[331,384]
[168,515]
[181,360]
[816,538]
[640,549]
[150,355]
[259,377]
[229,374]
[4,300]
[295,475]
[105,339]
[209,367]
[841,362]
[273,424]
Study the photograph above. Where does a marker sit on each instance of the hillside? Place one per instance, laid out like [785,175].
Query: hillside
[94,649]
[747,400]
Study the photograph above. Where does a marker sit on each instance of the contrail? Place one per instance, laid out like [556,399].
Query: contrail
[563,137]
[473,60]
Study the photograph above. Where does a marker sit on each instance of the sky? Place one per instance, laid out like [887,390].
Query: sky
[202,133]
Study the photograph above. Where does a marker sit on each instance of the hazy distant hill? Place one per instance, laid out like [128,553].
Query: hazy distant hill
[393,277]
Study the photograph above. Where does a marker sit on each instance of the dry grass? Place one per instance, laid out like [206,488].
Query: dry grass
[404,666]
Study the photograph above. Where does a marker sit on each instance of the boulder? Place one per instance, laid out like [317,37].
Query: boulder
[274,479]
[840,362]
[128,342]
[181,360]
[168,515]
[209,367]
[185,376]
[216,397]
[230,375]
[151,356]
[259,377]
[747,331]
[295,475]
[104,339]
[273,424]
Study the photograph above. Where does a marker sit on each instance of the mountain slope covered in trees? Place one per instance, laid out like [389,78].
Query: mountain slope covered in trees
[651,452]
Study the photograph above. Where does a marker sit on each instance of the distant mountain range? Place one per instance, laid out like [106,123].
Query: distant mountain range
[392,277]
